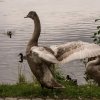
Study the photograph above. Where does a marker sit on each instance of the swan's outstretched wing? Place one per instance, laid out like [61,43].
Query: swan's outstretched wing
[44,54]
[75,50]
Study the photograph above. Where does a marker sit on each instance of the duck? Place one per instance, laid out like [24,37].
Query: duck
[9,33]
[41,58]
[68,78]
[22,57]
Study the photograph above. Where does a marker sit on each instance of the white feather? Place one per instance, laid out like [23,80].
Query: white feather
[68,52]
[44,54]
[81,54]
[76,50]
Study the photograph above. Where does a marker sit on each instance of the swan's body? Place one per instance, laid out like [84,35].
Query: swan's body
[9,33]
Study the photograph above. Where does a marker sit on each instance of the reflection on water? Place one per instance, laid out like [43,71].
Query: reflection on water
[61,21]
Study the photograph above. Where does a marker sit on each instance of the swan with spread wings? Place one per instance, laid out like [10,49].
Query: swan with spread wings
[41,58]
[67,52]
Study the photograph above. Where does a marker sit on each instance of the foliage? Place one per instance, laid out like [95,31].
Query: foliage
[59,76]
[96,35]
[21,76]
[35,90]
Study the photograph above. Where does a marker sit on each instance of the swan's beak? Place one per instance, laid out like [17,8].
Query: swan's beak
[26,17]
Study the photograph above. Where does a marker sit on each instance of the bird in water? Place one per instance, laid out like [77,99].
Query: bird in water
[41,58]
[68,77]
[72,80]
[22,57]
[9,33]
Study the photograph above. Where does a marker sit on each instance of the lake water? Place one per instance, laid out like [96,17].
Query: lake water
[61,21]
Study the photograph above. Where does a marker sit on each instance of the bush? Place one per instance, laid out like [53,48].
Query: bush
[96,35]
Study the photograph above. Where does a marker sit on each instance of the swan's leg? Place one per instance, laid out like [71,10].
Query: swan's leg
[52,69]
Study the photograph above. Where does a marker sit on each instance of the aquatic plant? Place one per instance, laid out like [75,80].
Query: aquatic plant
[96,35]
[21,76]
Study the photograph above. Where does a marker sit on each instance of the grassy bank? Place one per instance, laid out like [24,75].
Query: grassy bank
[34,90]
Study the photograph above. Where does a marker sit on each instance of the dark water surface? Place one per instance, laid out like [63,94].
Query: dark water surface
[61,21]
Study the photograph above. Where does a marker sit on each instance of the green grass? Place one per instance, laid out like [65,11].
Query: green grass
[34,90]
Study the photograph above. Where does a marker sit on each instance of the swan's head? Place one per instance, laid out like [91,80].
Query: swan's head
[31,14]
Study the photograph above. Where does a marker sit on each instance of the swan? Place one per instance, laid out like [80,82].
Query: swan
[38,65]
[93,69]
[40,58]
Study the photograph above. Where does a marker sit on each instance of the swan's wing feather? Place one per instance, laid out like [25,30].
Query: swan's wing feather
[80,55]
[83,52]
[44,54]
[75,50]
[67,47]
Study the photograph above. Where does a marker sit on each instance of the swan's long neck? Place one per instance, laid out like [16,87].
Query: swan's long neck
[37,29]
[94,62]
